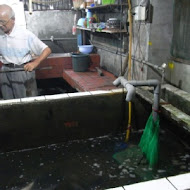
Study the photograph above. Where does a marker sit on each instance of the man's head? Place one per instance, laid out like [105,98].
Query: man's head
[7,18]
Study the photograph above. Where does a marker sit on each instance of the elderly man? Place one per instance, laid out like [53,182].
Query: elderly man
[17,46]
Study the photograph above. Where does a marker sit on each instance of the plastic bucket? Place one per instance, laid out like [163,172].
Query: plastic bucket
[80,62]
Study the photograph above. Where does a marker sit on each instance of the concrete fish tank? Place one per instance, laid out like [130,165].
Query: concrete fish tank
[67,141]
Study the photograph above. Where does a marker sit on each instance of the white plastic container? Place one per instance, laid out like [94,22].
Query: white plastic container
[88,14]
[85,48]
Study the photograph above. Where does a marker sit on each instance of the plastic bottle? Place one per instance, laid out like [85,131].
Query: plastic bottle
[87,22]
[88,13]
[90,22]
[99,2]
[74,28]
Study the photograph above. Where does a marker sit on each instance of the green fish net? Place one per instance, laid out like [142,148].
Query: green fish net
[149,140]
[147,148]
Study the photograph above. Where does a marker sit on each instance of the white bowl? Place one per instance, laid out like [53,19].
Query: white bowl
[85,48]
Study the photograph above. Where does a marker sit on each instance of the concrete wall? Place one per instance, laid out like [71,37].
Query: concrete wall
[57,118]
[154,46]
[152,41]
[36,121]
[179,75]
[161,31]
[53,23]
[111,61]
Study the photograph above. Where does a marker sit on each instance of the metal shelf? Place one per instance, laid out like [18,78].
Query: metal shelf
[110,31]
[102,7]
[107,6]
[115,8]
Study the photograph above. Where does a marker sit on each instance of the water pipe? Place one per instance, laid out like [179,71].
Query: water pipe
[129,85]
[53,39]
[160,68]
[130,88]
[30,7]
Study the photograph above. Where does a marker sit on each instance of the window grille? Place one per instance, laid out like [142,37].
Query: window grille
[41,5]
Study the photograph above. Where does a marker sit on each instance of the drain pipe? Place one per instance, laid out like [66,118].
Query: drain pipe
[129,85]
[130,88]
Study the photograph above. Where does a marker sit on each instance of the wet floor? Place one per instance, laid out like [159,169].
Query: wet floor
[88,164]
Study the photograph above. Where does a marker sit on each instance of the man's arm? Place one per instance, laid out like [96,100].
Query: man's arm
[34,63]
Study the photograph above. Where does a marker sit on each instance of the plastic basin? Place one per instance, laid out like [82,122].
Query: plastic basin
[85,48]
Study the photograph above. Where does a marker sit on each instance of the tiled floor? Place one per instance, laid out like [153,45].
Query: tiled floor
[90,80]
[179,182]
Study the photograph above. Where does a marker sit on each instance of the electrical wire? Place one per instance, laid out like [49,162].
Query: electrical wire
[130,40]
[135,73]
[138,50]
[120,27]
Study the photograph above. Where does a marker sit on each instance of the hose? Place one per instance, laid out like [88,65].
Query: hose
[129,124]
[129,68]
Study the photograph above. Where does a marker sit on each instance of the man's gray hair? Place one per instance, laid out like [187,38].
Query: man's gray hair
[12,14]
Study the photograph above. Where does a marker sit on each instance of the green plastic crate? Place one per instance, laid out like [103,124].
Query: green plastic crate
[105,2]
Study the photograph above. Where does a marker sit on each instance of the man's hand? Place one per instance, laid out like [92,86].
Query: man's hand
[30,66]
[33,64]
